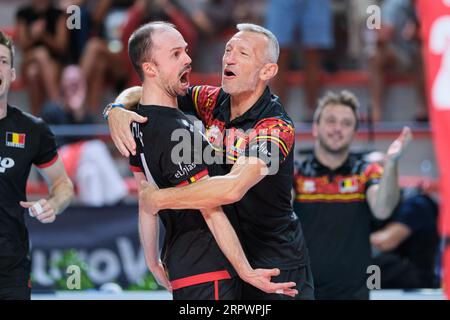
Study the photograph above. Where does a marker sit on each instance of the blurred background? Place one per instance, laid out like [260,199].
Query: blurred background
[69,78]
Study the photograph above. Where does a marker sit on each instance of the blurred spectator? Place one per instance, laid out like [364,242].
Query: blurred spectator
[251,11]
[209,16]
[212,19]
[87,160]
[397,51]
[102,58]
[42,35]
[105,59]
[313,19]
[359,36]
[406,246]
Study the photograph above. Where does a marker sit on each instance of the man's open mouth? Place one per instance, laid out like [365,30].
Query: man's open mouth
[184,78]
[229,73]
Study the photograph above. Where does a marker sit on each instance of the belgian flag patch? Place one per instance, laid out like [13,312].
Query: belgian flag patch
[15,140]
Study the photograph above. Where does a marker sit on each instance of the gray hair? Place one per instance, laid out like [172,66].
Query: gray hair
[273,49]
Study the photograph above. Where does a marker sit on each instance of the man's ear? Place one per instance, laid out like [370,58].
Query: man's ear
[13,74]
[149,69]
[269,71]
[315,129]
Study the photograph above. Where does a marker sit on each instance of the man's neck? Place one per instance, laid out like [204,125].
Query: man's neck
[153,95]
[328,159]
[241,103]
[3,108]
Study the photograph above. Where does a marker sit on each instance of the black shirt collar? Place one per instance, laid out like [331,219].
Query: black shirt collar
[223,112]
[345,168]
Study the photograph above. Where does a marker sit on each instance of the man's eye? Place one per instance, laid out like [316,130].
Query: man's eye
[244,53]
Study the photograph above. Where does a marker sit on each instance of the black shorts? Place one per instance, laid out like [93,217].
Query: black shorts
[18,293]
[207,287]
[301,276]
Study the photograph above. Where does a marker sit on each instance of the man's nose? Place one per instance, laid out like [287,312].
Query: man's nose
[229,58]
[188,59]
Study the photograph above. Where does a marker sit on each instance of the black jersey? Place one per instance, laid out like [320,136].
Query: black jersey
[270,229]
[170,150]
[336,218]
[24,140]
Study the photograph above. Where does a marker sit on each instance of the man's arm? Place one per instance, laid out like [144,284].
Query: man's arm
[61,194]
[199,99]
[228,242]
[213,191]
[149,236]
[384,197]
[120,119]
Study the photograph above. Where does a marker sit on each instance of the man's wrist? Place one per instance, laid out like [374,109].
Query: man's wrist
[246,273]
[153,264]
[110,107]
[156,199]
[53,205]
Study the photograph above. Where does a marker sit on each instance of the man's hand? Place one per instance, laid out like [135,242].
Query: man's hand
[160,275]
[42,210]
[119,121]
[397,148]
[261,279]
[146,202]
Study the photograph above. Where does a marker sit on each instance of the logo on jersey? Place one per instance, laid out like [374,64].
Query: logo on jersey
[15,140]
[214,135]
[135,130]
[184,170]
[309,186]
[6,163]
[348,185]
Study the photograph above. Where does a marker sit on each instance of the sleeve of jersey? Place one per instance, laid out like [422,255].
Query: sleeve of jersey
[200,100]
[47,152]
[373,174]
[182,162]
[271,140]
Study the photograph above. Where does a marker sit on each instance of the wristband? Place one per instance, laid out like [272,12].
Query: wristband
[109,107]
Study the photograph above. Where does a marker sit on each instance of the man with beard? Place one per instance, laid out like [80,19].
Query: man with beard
[336,194]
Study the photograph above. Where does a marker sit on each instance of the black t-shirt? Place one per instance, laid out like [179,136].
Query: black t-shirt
[25,140]
[189,247]
[270,229]
[336,218]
